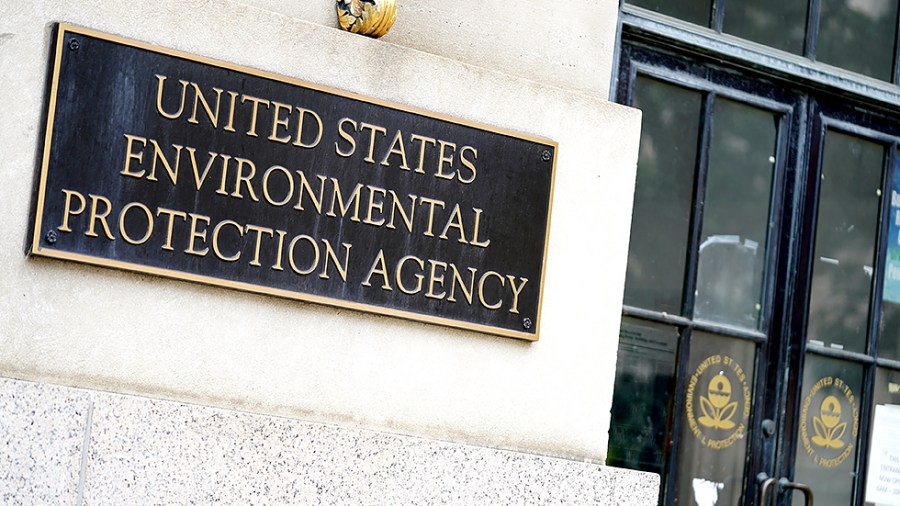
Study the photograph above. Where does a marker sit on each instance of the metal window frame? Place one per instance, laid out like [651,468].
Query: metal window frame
[784,106]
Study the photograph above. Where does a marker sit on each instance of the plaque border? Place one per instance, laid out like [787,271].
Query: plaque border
[36,249]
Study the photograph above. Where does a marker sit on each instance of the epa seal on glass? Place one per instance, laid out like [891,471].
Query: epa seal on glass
[830,410]
[718,402]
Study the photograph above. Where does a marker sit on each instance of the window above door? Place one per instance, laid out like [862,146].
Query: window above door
[850,46]
[855,35]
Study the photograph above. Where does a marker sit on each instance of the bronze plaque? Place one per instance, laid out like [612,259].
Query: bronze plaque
[166,163]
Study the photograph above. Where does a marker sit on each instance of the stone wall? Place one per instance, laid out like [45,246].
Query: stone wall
[71,446]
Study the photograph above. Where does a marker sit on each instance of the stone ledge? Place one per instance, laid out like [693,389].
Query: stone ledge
[144,451]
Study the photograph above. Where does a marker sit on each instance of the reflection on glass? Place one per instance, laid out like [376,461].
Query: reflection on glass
[694,11]
[715,433]
[845,241]
[829,429]
[642,399]
[776,23]
[883,454]
[858,35]
[736,214]
[663,193]
[889,340]
[887,386]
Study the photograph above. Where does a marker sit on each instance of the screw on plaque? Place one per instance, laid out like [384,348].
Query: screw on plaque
[51,237]
[545,155]
[74,44]
[526,323]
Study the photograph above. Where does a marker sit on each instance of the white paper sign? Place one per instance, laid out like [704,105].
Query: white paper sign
[883,482]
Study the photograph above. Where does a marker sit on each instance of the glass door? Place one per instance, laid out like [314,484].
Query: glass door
[701,330]
[759,355]
[839,422]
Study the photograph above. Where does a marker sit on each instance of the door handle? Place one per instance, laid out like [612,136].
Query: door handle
[784,483]
[766,484]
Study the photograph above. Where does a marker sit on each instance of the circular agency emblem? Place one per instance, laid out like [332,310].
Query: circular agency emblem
[829,409]
[718,402]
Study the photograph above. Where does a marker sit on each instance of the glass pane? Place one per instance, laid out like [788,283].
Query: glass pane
[858,35]
[776,23]
[663,195]
[694,11]
[712,455]
[889,342]
[736,214]
[887,386]
[642,399]
[845,241]
[829,428]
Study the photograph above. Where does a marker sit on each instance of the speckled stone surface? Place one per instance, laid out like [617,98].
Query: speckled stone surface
[632,488]
[42,431]
[160,451]
[146,451]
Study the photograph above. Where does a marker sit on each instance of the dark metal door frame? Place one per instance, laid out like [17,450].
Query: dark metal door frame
[808,108]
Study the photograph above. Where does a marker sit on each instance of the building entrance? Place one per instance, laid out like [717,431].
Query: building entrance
[759,355]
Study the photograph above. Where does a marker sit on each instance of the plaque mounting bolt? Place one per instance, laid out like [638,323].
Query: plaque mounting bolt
[545,155]
[51,237]
[527,323]
[367,17]
[74,44]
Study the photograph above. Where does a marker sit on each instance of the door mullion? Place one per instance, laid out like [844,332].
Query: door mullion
[782,258]
[874,320]
[690,284]
[806,205]
[690,278]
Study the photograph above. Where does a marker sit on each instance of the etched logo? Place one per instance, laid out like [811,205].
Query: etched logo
[828,426]
[829,444]
[718,402]
[716,408]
